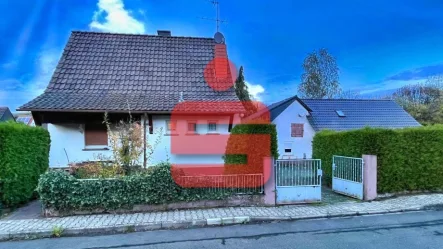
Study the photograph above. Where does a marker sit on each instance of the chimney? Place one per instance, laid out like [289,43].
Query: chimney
[165,33]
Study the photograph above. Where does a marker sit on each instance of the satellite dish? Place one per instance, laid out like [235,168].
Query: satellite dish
[219,38]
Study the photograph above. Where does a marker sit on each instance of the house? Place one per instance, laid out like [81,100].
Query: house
[146,74]
[25,118]
[5,114]
[297,120]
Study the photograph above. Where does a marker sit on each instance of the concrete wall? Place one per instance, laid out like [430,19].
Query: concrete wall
[295,113]
[70,137]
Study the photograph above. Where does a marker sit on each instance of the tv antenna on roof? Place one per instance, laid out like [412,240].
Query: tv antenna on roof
[217,19]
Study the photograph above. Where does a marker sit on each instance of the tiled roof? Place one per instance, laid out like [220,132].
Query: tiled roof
[2,111]
[5,114]
[358,114]
[104,71]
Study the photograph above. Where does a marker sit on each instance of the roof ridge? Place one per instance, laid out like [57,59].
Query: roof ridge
[147,35]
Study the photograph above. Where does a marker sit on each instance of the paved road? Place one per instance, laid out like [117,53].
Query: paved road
[408,230]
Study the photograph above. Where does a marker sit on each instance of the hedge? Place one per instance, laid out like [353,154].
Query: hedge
[408,159]
[24,156]
[63,192]
[252,145]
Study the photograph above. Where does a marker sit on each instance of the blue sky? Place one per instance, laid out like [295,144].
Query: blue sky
[379,45]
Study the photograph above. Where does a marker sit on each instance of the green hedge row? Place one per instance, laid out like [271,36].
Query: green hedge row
[24,156]
[408,159]
[252,146]
[63,192]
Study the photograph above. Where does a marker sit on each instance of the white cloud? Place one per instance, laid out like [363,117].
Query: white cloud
[255,90]
[16,92]
[46,63]
[117,18]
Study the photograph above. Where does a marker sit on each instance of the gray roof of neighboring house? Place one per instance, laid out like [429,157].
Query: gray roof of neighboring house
[359,113]
[5,114]
[104,71]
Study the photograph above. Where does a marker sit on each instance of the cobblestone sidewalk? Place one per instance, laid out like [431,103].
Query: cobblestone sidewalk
[112,223]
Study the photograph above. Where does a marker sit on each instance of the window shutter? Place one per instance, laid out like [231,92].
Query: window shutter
[297,130]
[96,134]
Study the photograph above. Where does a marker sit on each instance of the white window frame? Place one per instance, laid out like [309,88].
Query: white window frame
[187,127]
[288,145]
[216,126]
[170,131]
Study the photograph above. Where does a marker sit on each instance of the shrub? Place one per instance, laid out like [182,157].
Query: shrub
[237,143]
[96,170]
[63,192]
[24,156]
[408,159]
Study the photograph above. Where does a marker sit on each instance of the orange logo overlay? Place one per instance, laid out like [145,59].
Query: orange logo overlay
[255,148]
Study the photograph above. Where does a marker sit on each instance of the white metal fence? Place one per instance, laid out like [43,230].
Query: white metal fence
[293,172]
[347,176]
[236,184]
[348,168]
[298,180]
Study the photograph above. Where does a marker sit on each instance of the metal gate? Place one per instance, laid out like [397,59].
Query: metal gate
[347,176]
[298,181]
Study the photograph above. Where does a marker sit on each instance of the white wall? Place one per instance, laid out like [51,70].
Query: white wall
[162,152]
[295,113]
[70,137]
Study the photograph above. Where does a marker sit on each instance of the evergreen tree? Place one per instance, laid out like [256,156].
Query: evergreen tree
[241,89]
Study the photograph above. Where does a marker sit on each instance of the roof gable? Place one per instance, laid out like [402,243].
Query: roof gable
[104,71]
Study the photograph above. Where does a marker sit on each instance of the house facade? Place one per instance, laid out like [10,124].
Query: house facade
[297,120]
[147,76]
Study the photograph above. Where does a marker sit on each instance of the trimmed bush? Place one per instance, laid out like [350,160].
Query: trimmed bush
[408,159]
[24,156]
[250,144]
[63,192]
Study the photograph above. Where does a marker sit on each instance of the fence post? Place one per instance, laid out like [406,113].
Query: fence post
[369,177]
[269,187]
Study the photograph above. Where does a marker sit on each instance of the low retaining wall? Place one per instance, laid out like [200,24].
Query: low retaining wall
[234,201]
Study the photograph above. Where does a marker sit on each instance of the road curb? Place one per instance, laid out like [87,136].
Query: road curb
[210,222]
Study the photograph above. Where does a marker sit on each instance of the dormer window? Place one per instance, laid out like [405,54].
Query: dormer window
[340,113]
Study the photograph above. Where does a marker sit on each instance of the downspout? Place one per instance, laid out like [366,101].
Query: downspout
[144,140]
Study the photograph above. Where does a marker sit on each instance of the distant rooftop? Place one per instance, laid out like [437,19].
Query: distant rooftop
[356,113]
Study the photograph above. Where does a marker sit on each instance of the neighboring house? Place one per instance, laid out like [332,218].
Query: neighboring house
[25,118]
[297,120]
[5,114]
[148,74]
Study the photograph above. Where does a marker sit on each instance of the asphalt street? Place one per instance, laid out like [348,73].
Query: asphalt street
[391,231]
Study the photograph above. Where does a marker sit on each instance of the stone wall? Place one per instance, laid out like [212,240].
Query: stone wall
[234,201]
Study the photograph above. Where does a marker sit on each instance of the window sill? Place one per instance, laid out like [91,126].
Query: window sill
[212,133]
[172,134]
[192,134]
[96,149]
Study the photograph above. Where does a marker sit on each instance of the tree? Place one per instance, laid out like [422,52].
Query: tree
[320,76]
[423,101]
[242,92]
[241,89]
